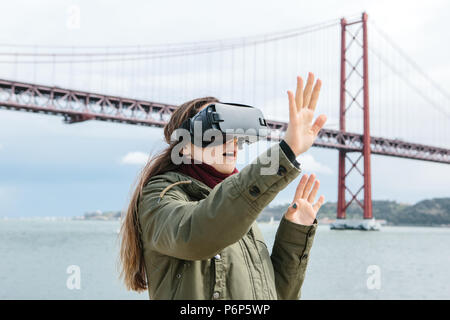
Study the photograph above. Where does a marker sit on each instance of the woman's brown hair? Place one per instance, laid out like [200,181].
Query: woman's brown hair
[131,257]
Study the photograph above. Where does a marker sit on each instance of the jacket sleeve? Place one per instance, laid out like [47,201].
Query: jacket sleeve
[290,255]
[197,230]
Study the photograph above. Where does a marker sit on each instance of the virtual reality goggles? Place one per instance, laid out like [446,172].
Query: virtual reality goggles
[219,122]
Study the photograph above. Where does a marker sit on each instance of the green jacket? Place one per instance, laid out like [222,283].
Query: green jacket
[203,243]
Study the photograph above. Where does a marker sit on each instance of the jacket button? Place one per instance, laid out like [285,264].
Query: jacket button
[304,256]
[254,191]
[216,295]
[178,276]
[281,171]
[217,256]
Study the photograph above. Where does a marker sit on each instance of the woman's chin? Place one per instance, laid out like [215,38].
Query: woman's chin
[225,168]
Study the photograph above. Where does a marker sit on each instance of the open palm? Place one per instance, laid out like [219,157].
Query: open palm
[303,209]
[301,132]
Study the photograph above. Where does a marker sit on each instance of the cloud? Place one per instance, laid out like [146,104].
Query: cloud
[135,158]
[308,163]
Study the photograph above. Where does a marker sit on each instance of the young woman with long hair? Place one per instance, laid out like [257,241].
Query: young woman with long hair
[190,229]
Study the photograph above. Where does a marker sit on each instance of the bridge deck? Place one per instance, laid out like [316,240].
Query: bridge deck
[76,106]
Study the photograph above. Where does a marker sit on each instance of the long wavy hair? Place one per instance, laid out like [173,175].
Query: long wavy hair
[131,259]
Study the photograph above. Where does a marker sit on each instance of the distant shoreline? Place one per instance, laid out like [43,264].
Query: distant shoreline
[429,212]
[264,222]
[426,213]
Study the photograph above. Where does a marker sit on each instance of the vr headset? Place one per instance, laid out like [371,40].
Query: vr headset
[219,122]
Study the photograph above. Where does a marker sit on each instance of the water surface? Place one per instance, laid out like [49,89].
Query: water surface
[413,262]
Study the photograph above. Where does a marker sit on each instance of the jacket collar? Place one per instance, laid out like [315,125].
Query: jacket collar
[195,189]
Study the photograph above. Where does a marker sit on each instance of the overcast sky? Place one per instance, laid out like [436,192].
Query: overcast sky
[48,168]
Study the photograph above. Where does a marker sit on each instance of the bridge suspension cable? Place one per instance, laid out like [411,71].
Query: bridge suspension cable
[165,51]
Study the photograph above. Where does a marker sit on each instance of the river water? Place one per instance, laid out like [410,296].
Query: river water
[395,263]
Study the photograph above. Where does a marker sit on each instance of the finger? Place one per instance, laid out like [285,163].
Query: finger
[292,106]
[319,123]
[313,193]
[315,95]
[308,185]
[308,90]
[301,187]
[299,93]
[319,203]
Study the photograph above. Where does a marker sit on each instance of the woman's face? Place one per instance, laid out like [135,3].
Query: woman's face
[222,157]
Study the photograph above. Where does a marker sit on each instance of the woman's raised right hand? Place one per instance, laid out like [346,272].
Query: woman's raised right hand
[303,210]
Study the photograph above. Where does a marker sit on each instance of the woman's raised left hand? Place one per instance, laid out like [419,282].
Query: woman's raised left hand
[301,132]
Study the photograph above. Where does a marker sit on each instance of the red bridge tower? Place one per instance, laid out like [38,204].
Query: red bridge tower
[348,50]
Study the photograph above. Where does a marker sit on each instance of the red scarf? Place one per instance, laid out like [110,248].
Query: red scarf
[204,173]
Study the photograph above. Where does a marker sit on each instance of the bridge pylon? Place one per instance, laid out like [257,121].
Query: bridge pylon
[354,52]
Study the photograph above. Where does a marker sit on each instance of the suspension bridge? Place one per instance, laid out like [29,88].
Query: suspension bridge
[407,117]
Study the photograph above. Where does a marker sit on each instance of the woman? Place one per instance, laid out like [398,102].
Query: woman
[190,231]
